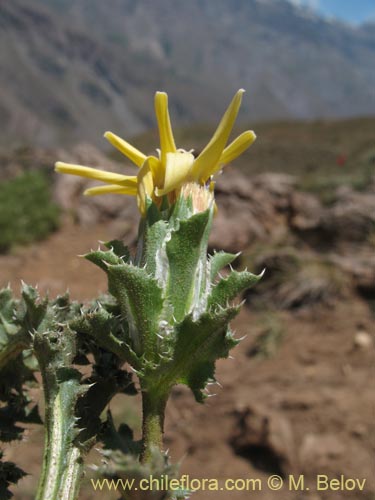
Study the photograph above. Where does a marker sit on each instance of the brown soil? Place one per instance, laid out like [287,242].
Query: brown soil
[308,409]
[56,265]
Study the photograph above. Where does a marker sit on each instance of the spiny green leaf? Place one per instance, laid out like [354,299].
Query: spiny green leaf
[184,251]
[182,210]
[228,288]
[141,302]
[61,310]
[153,213]
[109,332]
[35,309]
[103,258]
[13,339]
[7,304]
[119,249]
[198,345]
[154,240]
[219,260]
[7,328]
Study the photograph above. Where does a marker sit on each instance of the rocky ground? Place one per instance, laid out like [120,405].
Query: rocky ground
[298,397]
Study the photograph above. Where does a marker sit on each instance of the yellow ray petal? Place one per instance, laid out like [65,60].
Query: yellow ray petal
[127,149]
[93,173]
[238,146]
[167,144]
[157,170]
[145,186]
[235,149]
[210,156]
[177,171]
[111,189]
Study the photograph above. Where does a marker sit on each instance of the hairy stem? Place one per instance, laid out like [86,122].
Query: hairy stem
[63,458]
[62,463]
[153,408]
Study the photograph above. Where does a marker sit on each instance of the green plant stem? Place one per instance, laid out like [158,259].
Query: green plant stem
[62,463]
[63,456]
[153,408]
[62,470]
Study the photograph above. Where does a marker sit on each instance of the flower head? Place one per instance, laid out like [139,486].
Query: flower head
[173,168]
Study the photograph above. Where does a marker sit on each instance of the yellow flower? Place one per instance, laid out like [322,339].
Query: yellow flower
[173,168]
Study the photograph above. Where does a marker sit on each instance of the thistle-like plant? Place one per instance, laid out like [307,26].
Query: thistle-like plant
[174,312]
[168,311]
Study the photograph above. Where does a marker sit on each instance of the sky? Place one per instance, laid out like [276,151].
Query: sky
[352,11]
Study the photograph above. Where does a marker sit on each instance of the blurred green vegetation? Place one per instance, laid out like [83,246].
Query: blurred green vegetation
[27,212]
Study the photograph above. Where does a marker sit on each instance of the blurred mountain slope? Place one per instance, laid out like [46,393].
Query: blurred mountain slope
[56,82]
[70,69]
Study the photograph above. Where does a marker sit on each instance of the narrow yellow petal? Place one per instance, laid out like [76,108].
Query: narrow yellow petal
[111,189]
[177,171]
[235,149]
[167,144]
[157,170]
[93,173]
[127,149]
[238,146]
[210,156]
[145,186]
